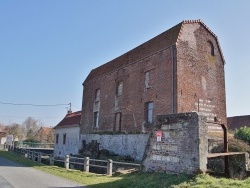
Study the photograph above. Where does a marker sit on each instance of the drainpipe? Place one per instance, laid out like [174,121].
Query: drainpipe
[173,79]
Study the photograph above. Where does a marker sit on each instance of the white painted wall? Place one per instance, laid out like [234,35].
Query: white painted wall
[121,144]
[72,141]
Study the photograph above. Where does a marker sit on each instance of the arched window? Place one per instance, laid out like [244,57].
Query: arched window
[211,47]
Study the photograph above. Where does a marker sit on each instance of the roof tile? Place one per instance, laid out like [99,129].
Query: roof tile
[69,120]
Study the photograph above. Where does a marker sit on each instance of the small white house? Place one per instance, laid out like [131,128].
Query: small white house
[67,134]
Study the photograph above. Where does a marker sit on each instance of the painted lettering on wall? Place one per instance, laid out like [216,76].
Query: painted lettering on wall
[206,107]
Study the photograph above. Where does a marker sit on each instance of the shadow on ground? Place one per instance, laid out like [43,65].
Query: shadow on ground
[140,179]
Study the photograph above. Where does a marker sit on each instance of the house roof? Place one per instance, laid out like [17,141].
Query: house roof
[2,134]
[238,121]
[44,131]
[71,119]
[44,134]
[165,39]
[3,131]
[158,43]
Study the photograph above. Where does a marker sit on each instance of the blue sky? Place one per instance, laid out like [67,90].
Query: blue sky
[47,48]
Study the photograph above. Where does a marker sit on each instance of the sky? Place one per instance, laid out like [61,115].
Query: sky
[47,48]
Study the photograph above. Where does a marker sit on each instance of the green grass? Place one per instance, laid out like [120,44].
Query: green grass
[135,180]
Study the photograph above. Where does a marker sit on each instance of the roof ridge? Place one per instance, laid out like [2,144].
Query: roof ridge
[209,30]
[199,21]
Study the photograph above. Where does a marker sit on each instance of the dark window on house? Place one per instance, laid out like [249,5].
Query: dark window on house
[211,48]
[149,112]
[96,118]
[97,94]
[64,138]
[119,89]
[57,138]
[118,120]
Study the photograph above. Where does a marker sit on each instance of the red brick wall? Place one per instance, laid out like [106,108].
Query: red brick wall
[198,81]
[200,75]
[132,102]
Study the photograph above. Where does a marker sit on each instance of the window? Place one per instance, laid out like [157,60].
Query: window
[118,121]
[97,94]
[64,138]
[149,112]
[211,48]
[57,138]
[119,88]
[96,117]
[147,80]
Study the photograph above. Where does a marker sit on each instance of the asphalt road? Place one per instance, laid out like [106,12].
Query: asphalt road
[13,175]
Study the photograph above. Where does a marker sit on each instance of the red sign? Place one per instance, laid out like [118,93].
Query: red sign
[158,133]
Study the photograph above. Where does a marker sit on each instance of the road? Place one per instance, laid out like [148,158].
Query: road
[13,175]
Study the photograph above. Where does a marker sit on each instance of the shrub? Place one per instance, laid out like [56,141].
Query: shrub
[243,134]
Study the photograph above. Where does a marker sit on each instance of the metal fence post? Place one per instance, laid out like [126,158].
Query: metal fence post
[66,162]
[86,164]
[51,160]
[109,167]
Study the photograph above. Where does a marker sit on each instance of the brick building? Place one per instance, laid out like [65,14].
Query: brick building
[45,135]
[180,70]
[237,122]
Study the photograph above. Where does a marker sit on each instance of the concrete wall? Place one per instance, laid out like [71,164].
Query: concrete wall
[121,144]
[183,146]
[72,141]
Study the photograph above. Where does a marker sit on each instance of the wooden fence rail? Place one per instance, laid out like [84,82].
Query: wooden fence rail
[38,156]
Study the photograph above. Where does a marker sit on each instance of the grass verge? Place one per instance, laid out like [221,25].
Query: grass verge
[135,180]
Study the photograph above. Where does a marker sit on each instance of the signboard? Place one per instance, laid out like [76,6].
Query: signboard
[9,139]
[158,135]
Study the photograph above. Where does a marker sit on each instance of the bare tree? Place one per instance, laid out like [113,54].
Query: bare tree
[2,127]
[31,127]
[16,130]
[50,137]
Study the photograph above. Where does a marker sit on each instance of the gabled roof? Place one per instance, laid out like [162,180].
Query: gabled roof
[238,121]
[44,135]
[156,44]
[44,131]
[70,120]
[209,30]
